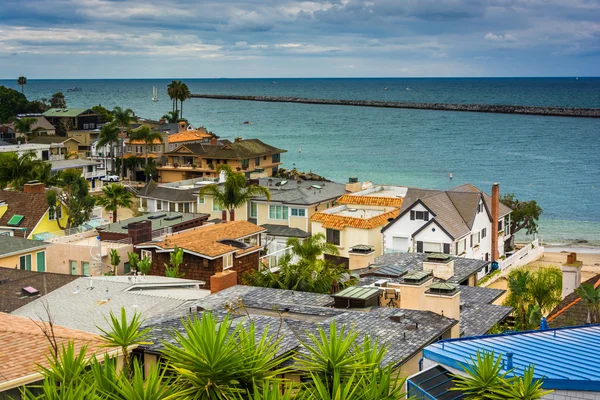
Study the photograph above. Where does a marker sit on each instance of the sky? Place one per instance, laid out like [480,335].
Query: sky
[46,39]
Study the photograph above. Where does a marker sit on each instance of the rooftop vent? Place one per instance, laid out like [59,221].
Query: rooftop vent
[443,288]
[362,248]
[353,179]
[316,186]
[234,243]
[417,277]
[281,183]
[157,216]
[352,209]
[438,257]
[30,291]
[357,297]
[174,217]
[381,283]
[397,317]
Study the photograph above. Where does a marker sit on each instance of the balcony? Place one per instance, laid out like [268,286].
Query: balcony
[56,157]
[99,173]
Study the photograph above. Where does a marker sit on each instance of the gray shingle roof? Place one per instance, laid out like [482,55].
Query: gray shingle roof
[478,318]
[284,230]
[463,267]
[248,148]
[154,191]
[302,193]
[157,223]
[11,245]
[75,306]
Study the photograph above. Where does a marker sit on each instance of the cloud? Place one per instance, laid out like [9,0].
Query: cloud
[507,37]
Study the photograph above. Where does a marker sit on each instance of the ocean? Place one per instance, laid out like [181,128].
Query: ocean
[554,160]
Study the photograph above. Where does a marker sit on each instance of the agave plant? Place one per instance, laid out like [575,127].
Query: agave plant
[524,387]
[175,260]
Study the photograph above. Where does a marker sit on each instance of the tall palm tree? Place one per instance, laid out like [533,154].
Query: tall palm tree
[23,126]
[123,119]
[16,171]
[234,192]
[109,135]
[545,288]
[114,196]
[591,296]
[173,92]
[171,117]
[146,135]
[183,94]
[22,81]
[312,247]
[518,294]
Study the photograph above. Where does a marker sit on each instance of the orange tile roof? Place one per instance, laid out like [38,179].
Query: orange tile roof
[333,221]
[205,240]
[371,200]
[141,142]
[24,347]
[188,136]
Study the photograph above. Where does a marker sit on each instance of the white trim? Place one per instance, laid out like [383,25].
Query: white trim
[36,260]
[26,251]
[38,223]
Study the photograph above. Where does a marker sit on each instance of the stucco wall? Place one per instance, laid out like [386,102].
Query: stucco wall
[14,261]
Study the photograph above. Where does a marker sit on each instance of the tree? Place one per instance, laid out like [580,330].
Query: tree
[133,259]
[22,81]
[146,135]
[525,214]
[173,90]
[545,288]
[109,135]
[115,260]
[183,94]
[312,247]
[74,194]
[591,296]
[58,100]
[64,126]
[144,265]
[518,294]
[123,119]
[105,114]
[171,117]
[234,192]
[16,171]
[11,103]
[113,197]
[484,379]
[175,260]
[23,126]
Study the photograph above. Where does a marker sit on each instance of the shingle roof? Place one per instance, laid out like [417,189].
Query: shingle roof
[334,221]
[52,139]
[205,239]
[478,318]
[155,191]
[12,281]
[301,192]
[463,267]
[371,200]
[167,219]
[14,245]
[24,348]
[571,310]
[467,187]
[32,206]
[67,112]
[242,149]
[76,306]
[284,230]
[41,123]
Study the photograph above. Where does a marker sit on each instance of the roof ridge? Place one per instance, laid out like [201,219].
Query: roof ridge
[469,225]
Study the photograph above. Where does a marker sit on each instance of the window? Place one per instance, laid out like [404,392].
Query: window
[253,210]
[144,202]
[216,207]
[483,232]
[172,207]
[257,161]
[245,163]
[25,262]
[146,254]
[278,212]
[475,239]
[51,214]
[126,268]
[298,212]
[500,225]
[419,215]
[333,236]
[201,200]
[186,207]
[158,205]
[276,158]
[228,261]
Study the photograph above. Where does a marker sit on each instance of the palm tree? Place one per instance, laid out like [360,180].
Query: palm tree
[312,247]
[109,135]
[545,288]
[171,117]
[22,81]
[173,92]
[591,296]
[146,135]
[23,126]
[123,119]
[114,196]
[518,294]
[16,171]
[183,94]
[234,192]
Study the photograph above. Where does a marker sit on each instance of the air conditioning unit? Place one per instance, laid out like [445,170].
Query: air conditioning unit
[381,283]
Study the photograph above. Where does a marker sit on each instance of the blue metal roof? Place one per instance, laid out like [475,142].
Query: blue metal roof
[567,358]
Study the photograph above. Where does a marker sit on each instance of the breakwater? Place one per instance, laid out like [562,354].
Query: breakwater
[484,108]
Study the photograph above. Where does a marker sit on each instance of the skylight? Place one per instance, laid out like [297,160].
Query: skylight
[15,220]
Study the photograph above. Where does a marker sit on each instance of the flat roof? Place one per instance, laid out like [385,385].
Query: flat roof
[562,357]
[358,292]
[165,219]
[73,163]
[361,212]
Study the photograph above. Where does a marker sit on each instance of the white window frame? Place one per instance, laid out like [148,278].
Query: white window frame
[275,212]
[253,210]
[227,261]
[201,200]
[298,211]
[146,253]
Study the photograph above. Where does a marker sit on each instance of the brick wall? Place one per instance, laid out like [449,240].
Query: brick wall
[201,268]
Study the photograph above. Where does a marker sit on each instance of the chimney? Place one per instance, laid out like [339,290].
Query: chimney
[34,187]
[140,232]
[237,139]
[182,125]
[161,121]
[571,274]
[353,185]
[441,265]
[213,141]
[223,280]
[495,213]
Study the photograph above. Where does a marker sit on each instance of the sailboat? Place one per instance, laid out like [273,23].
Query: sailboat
[154,93]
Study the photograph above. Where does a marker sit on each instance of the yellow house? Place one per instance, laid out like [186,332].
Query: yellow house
[25,254]
[26,214]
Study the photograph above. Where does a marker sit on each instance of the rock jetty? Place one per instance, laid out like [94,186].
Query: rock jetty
[487,108]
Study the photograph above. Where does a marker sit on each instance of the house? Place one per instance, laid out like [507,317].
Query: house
[89,169]
[41,126]
[456,221]
[354,225]
[39,151]
[7,132]
[25,254]
[563,358]
[156,224]
[26,214]
[76,118]
[25,348]
[60,146]
[85,303]
[250,156]
[296,314]
[14,281]
[572,310]
[209,250]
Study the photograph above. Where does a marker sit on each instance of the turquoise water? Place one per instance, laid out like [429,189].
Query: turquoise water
[551,159]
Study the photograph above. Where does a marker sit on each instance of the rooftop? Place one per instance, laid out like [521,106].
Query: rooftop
[226,150]
[12,282]
[10,245]
[284,231]
[72,163]
[159,220]
[32,206]
[571,310]
[560,356]
[25,347]
[52,139]
[360,217]
[24,147]
[83,303]
[208,240]
[67,112]
[301,192]
[188,136]
[387,196]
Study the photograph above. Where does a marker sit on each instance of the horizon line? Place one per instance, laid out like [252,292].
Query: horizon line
[317,77]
